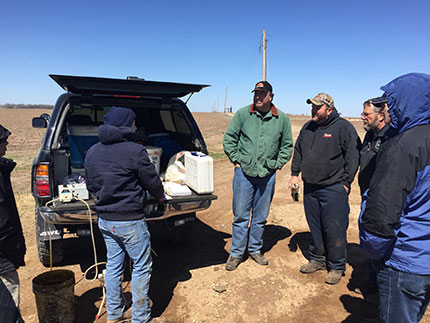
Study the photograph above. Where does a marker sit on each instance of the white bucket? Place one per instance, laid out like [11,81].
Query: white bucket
[154,154]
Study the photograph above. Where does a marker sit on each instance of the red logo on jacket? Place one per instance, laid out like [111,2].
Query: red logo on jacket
[327,135]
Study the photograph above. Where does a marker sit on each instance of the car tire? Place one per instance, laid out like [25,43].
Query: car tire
[43,246]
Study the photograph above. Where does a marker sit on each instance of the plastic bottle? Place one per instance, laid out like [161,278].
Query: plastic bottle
[295,192]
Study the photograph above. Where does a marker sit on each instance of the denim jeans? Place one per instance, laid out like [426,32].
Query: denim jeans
[9,298]
[327,214]
[250,193]
[403,297]
[131,237]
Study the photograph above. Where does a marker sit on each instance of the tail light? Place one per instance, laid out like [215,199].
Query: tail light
[42,180]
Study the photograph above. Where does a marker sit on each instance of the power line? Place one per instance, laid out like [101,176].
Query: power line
[254,55]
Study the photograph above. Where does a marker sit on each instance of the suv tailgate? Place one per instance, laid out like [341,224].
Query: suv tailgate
[76,212]
[132,87]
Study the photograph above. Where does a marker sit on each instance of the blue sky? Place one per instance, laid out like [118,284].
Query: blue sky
[345,48]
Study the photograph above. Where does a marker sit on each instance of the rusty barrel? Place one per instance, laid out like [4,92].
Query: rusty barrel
[55,296]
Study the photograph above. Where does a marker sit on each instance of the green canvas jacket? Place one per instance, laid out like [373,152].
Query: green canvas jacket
[259,144]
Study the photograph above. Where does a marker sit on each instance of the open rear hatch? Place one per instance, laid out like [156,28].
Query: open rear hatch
[131,87]
[74,212]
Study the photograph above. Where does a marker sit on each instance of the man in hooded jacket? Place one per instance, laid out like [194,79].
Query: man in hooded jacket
[119,172]
[395,216]
[12,243]
[326,153]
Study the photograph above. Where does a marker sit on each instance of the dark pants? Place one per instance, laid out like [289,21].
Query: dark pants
[9,313]
[327,212]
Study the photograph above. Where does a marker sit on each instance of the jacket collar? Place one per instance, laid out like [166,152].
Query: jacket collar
[274,111]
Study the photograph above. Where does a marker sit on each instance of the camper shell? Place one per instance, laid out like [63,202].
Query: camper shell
[163,121]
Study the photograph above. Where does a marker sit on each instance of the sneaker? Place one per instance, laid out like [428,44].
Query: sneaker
[259,259]
[333,276]
[311,267]
[232,263]
[126,317]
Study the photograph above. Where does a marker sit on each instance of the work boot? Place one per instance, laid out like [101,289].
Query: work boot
[311,267]
[232,263]
[159,320]
[333,276]
[126,317]
[259,259]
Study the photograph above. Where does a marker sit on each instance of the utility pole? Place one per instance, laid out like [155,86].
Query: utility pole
[264,55]
[225,101]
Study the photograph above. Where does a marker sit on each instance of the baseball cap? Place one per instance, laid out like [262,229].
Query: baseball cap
[263,86]
[320,99]
[379,100]
[4,134]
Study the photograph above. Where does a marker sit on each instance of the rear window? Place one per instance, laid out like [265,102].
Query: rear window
[152,116]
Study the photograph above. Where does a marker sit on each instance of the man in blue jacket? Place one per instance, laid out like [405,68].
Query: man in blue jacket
[119,171]
[395,218]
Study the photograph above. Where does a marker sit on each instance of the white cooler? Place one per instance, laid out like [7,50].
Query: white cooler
[199,173]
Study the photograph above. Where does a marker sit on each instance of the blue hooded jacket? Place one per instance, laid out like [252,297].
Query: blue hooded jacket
[395,217]
[119,171]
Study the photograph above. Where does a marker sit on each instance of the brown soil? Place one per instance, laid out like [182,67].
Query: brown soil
[189,282]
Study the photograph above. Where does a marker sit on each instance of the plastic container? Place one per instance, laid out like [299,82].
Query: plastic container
[199,174]
[81,138]
[55,296]
[154,154]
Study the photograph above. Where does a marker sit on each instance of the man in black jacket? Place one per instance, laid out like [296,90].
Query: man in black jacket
[327,154]
[377,125]
[376,122]
[119,171]
[12,244]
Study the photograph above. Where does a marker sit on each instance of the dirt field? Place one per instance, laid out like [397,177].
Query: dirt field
[189,282]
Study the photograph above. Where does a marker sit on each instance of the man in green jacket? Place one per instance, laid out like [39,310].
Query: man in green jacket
[258,141]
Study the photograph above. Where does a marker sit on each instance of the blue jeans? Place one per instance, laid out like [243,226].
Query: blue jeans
[327,214]
[403,297]
[131,237]
[250,193]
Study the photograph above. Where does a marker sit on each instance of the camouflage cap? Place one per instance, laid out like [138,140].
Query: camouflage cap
[320,99]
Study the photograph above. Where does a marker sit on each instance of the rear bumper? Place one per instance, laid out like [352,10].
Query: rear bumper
[77,213]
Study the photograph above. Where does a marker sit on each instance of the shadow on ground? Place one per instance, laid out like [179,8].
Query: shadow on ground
[172,263]
[273,234]
[202,247]
[364,306]
[359,307]
[302,241]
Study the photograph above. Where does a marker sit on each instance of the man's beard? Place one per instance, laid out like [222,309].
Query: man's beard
[371,126]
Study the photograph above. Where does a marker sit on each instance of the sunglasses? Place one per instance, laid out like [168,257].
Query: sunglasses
[365,114]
